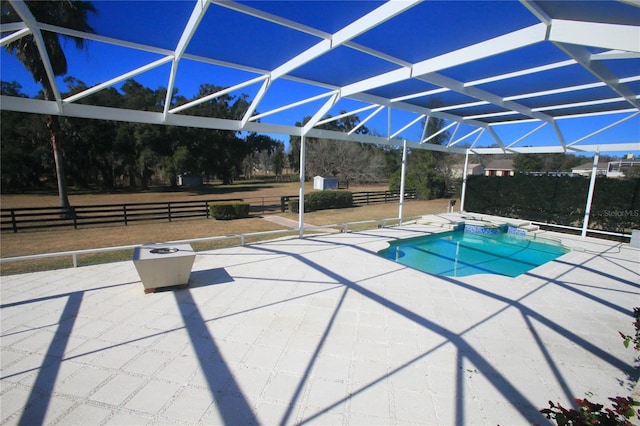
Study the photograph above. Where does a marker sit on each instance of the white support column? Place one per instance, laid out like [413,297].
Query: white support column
[301,189]
[464,180]
[402,178]
[592,185]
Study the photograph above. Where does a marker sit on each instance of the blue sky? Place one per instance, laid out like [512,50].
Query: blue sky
[223,35]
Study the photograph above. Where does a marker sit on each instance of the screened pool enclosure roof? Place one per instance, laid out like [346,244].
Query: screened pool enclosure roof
[504,76]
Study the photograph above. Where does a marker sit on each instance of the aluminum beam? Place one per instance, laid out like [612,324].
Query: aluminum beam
[464,180]
[17,35]
[302,172]
[406,126]
[25,14]
[320,113]
[600,71]
[192,25]
[403,175]
[217,94]
[118,79]
[495,46]
[483,95]
[37,106]
[376,17]
[592,185]
[291,105]
[596,34]
[346,114]
[629,117]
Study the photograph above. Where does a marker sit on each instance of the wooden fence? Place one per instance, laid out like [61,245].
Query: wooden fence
[23,219]
[361,198]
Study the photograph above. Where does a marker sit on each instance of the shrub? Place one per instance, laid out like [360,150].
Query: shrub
[323,200]
[559,200]
[229,210]
[294,206]
[316,201]
[428,183]
[343,199]
[589,413]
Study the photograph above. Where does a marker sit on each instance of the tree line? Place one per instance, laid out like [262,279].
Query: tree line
[108,153]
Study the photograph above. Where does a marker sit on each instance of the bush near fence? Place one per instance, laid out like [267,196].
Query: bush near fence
[323,200]
[329,200]
[228,211]
[557,200]
[291,203]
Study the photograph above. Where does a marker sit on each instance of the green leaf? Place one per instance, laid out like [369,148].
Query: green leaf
[561,419]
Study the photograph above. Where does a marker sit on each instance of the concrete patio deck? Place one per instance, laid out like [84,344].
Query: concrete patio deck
[317,331]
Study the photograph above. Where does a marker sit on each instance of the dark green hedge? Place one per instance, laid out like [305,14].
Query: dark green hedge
[227,211]
[323,200]
[558,200]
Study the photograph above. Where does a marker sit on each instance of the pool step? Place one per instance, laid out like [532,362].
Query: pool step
[446,220]
[529,228]
[452,220]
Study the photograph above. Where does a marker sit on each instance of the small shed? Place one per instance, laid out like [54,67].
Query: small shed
[189,179]
[324,183]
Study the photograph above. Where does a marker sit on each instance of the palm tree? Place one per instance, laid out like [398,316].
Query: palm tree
[67,14]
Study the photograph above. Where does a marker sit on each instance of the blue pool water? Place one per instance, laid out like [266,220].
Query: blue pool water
[459,253]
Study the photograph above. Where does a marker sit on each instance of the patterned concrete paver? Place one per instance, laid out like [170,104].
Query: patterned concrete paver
[316,331]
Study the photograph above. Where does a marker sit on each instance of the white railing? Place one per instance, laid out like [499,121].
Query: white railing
[575,228]
[241,237]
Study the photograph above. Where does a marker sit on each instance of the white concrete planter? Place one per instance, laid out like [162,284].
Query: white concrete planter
[163,265]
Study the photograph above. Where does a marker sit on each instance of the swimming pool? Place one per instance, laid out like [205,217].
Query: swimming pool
[459,253]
